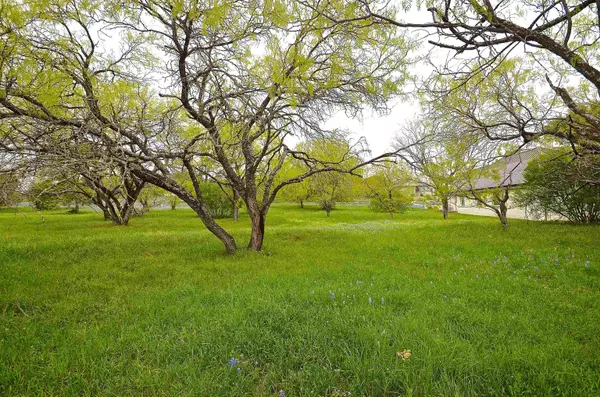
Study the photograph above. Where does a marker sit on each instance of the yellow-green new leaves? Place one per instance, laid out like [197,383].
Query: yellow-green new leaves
[277,12]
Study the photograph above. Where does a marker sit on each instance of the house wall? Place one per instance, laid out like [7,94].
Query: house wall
[464,205]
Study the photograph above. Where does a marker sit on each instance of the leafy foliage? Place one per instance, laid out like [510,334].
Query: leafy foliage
[558,183]
[218,202]
[9,189]
[42,195]
[389,189]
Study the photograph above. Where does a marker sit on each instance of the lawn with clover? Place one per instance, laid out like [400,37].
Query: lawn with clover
[358,304]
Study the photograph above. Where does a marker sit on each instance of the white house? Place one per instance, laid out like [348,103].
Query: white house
[508,173]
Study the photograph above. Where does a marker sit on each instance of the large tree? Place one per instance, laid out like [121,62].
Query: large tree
[234,81]
[388,188]
[555,43]
[440,159]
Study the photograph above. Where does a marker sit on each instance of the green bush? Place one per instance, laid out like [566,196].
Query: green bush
[556,182]
[394,205]
[219,204]
[42,197]
[9,190]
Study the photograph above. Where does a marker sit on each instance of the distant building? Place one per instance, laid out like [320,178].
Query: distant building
[508,172]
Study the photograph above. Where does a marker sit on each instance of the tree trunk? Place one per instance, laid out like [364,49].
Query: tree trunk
[328,211]
[301,203]
[445,207]
[196,204]
[226,238]
[106,214]
[258,228]
[503,211]
[76,209]
[236,210]
[125,215]
[503,219]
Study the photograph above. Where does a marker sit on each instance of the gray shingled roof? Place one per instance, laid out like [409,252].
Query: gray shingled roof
[510,170]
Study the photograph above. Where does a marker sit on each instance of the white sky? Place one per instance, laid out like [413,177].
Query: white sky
[380,130]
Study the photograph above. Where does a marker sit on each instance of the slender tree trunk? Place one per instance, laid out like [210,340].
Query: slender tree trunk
[502,216]
[196,204]
[102,205]
[445,207]
[236,210]
[258,233]
[301,203]
[115,218]
[76,209]
[125,215]
[328,210]
[257,218]
[503,209]
[227,239]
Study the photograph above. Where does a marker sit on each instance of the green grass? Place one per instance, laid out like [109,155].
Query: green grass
[157,308]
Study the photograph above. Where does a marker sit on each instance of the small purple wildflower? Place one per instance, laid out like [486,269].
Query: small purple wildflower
[233,362]
[281,393]
[332,294]
[239,370]
[587,264]
[370,300]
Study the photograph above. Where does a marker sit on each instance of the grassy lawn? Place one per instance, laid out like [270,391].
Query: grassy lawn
[157,308]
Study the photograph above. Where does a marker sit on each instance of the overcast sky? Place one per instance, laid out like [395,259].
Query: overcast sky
[380,130]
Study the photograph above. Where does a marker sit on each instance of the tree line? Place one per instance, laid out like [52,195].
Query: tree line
[192,96]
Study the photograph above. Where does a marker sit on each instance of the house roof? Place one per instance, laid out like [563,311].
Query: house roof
[509,170]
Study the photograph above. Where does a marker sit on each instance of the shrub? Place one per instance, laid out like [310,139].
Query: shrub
[556,182]
[392,205]
[42,197]
[9,190]
[219,204]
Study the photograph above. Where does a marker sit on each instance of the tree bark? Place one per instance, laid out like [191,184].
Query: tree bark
[227,239]
[502,216]
[257,218]
[195,204]
[503,209]
[236,210]
[445,207]
[301,204]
